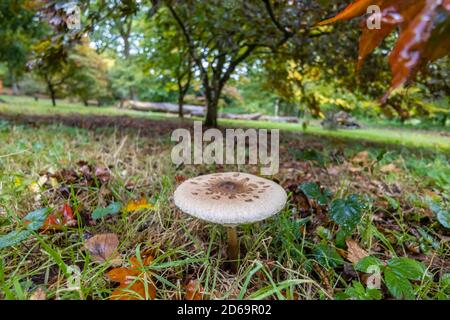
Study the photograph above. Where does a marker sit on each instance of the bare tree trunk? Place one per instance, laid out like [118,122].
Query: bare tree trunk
[15,88]
[211,113]
[51,90]
[180,105]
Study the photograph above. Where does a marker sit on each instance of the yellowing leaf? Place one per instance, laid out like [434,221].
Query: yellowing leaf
[137,205]
[17,182]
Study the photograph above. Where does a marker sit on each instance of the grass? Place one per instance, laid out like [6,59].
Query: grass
[408,138]
[279,257]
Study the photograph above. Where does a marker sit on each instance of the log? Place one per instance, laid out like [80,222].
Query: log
[280,119]
[163,107]
[234,116]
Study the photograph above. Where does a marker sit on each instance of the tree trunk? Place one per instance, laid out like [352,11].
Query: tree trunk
[51,90]
[212,94]
[211,113]
[15,88]
[180,105]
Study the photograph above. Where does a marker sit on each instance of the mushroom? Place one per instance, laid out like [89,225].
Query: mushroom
[230,199]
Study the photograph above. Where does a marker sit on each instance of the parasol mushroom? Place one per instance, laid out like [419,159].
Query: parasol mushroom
[230,199]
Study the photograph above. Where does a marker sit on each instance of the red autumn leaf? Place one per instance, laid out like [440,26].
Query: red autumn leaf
[355,9]
[179,179]
[132,285]
[424,33]
[61,218]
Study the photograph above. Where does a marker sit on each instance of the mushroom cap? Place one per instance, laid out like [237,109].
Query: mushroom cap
[230,198]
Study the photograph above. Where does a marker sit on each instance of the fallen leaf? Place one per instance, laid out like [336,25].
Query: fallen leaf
[61,218]
[102,174]
[112,209]
[180,179]
[390,168]
[194,290]
[134,283]
[38,294]
[103,247]
[361,157]
[137,205]
[355,252]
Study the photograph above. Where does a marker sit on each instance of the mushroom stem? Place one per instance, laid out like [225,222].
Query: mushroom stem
[233,249]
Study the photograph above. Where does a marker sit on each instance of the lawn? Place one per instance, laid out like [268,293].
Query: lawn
[408,138]
[301,253]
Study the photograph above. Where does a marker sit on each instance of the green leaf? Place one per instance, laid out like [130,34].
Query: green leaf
[36,219]
[407,268]
[312,191]
[357,291]
[13,238]
[442,215]
[327,256]
[347,212]
[397,285]
[112,209]
[366,262]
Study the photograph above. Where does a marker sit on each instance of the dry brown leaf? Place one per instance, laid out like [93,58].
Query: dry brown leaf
[102,174]
[361,157]
[193,290]
[103,247]
[38,294]
[355,252]
[390,168]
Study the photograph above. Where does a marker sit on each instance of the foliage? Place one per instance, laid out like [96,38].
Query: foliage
[423,38]
[312,191]
[347,212]
[112,209]
[19,30]
[398,274]
[32,221]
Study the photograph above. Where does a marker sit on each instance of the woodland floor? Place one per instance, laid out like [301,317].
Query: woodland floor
[88,162]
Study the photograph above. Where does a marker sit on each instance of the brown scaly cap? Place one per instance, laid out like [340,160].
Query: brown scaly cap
[230,198]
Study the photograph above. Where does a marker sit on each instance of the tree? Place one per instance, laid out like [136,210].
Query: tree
[88,74]
[167,54]
[81,71]
[220,35]
[115,31]
[18,31]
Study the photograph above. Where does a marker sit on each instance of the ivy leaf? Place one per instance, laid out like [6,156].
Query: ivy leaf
[312,191]
[347,212]
[407,268]
[327,256]
[112,209]
[397,285]
[13,238]
[35,220]
[365,263]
